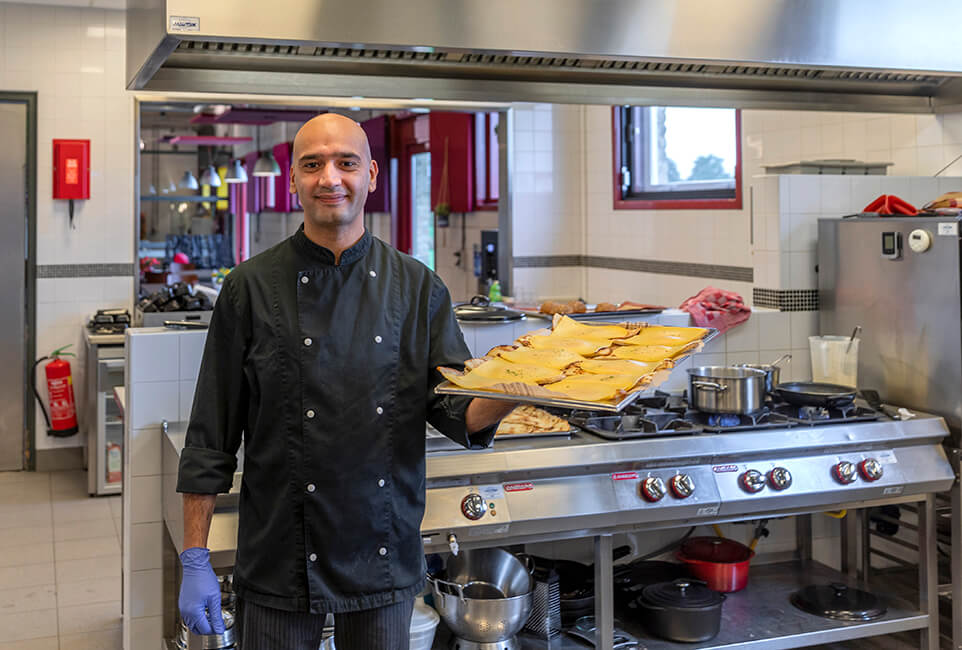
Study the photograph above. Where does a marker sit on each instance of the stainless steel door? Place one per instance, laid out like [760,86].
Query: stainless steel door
[13,222]
[908,307]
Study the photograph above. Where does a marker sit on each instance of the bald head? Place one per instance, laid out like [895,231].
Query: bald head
[332,127]
[332,174]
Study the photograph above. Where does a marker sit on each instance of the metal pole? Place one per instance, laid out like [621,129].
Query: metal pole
[929,574]
[956,498]
[866,541]
[849,544]
[604,594]
[803,538]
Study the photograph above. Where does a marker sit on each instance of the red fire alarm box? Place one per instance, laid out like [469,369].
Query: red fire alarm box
[71,169]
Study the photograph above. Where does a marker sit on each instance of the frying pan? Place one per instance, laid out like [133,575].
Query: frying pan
[807,393]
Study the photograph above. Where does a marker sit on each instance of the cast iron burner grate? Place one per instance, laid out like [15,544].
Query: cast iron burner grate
[729,422]
[815,415]
[635,422]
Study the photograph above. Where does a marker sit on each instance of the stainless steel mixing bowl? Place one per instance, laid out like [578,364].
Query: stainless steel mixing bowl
[482,620]
[486,596]
[489,572]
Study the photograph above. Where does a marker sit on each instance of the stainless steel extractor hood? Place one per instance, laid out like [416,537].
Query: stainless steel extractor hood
[867,55]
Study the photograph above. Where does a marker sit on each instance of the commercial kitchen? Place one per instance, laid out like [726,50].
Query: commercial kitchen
[786,176]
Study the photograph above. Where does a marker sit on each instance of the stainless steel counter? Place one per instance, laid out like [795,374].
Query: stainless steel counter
[554,488]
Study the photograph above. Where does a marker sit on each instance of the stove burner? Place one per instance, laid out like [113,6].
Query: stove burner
[635,422]
[667,415]
[724,420]
[813,413]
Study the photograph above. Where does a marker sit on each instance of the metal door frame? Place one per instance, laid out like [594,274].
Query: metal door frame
[30,274]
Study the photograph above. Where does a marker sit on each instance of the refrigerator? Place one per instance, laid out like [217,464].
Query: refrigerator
[898,277]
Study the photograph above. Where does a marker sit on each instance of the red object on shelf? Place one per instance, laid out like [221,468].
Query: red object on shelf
[891,204]
[457,129]
[721,563]
[71,169]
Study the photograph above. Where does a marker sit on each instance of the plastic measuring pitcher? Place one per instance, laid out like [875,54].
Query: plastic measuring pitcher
[834,361]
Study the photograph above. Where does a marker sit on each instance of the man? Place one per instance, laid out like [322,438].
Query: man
[322,354]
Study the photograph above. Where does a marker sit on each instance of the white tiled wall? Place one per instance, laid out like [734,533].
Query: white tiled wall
[460,279]
[73,57]
[64,305]
[918,145]
[160,386]
[547,200]
[787,209]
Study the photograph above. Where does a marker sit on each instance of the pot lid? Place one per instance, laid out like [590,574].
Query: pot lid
[635,576]
[716,549]
[838,601]
[481,309]
[682,592]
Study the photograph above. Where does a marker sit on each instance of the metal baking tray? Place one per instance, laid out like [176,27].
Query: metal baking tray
[612,316]
[567,433]
[447,388]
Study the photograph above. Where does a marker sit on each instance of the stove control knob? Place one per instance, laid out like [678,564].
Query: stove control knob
[473,506]
[844,472]
[653,489]
[780,478]
[752,481]
[681,485]
[870,469]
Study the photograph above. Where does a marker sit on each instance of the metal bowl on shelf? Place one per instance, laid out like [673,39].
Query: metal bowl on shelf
[187,640]
[486,598]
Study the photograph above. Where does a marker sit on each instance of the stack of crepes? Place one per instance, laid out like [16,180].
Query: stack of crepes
[580,361]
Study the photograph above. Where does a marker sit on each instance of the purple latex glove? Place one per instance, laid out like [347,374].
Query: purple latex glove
[199,600]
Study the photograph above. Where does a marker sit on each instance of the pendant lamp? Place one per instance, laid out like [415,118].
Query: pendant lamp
[188,181]
[236,173]
[266,165]
[210,177]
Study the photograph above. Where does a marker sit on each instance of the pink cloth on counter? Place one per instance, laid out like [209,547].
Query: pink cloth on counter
[717,308]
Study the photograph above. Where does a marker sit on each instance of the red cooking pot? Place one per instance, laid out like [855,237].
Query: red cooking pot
[721,563]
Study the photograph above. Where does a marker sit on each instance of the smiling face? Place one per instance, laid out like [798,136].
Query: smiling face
[332,171]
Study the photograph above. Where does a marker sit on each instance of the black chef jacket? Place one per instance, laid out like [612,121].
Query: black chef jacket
[328,372]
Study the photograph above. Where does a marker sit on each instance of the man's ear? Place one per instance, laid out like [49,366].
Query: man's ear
[372,185]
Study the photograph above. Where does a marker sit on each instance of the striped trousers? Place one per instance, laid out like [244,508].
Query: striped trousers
[262,628]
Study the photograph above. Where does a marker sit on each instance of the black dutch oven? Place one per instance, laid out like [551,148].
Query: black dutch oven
[682,610]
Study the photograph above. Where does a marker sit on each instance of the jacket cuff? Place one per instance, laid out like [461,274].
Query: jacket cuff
[482,439]
[205,471]
[449,420]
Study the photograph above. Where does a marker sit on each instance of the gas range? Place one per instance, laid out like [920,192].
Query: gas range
[668,415]
[669,466]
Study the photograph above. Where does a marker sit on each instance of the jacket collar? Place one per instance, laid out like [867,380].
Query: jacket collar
[317,253]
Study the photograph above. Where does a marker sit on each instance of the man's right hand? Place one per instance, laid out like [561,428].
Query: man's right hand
[199,600]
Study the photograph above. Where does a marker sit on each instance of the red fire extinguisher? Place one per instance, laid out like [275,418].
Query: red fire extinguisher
[62,420]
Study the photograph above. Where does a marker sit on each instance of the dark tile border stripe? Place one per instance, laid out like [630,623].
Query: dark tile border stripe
[713,271]
[786,299]
[84,270]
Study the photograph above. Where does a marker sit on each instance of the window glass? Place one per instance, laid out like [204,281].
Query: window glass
[422,248]
[670,153]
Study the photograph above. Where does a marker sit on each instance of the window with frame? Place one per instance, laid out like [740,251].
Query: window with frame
[674,157]
[486,161]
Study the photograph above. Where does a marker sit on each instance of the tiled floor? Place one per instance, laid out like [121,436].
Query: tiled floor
[59,564]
